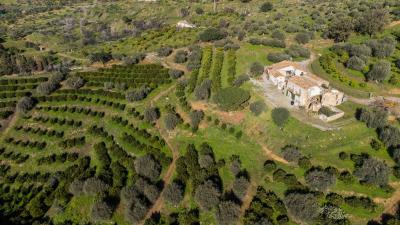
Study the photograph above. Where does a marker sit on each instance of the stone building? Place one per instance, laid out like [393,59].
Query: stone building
[302,88]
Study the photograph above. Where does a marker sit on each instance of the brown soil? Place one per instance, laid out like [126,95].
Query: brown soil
[391,204]
[394,91]
[235,117]
[394,23]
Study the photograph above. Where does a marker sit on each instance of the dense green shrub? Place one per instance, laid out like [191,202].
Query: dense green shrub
[278,57]
[355,63]
[258,107]
[256,69]
[231,98]
[291,153]
[75,82]
[25,104]
[266,7]
[302,206]
[211,34]
[164,51]
[373,117]
[302,38]
[380,71]
[297,51]
[231,65]
[216,68]
[181,56]
[319,179]
[280,116]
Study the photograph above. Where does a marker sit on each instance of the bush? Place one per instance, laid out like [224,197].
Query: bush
[343,155]
[280,116]
[164,51]
[25,104]
[256,69]
[305,163]
[181,56]
[302,206]
[376,145]
[266,7]
[173,193]
[148,167]
[319,180]
[75,82]
[231,98]
[269,165]
[207,195]
[175,74]
[302,38]
[278,35]
[211,34]
[241,80]
[355,63]
[297,51]
[138,94]
[258,107]
[380,71]
[278,57]
[291,153]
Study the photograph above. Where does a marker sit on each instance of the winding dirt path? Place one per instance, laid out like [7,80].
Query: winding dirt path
[391,204]
[251,190]
[158,204]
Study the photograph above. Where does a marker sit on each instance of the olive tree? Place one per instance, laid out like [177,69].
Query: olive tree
[258,107]
[174,193]
[75,82]
[148,167]
[101,210]
[380,71]
[319,179]
[207,195]
[25,104]
[227,212]
[373,171]
[302,206]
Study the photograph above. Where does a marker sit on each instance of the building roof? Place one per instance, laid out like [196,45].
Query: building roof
[275,73]
[302,82]
[297,66]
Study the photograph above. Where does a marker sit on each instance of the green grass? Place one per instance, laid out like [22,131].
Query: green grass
[248,54]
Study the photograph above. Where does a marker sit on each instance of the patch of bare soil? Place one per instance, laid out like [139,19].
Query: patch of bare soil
[390,204]
[394,23]
[105,65]
[235,117]
[394,91]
